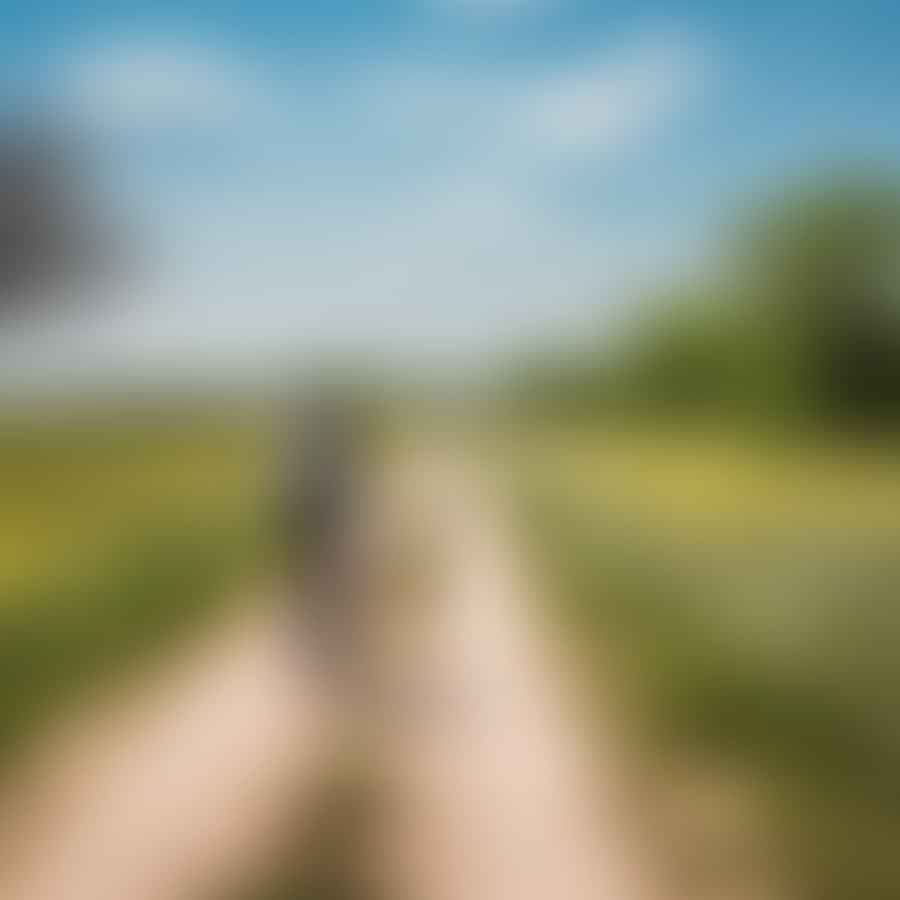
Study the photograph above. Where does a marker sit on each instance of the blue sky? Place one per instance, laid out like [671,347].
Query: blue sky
[430,179]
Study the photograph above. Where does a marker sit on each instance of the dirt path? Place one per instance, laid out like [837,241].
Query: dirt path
[488,793]
[179,786]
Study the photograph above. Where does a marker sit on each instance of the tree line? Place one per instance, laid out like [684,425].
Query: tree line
[796,320]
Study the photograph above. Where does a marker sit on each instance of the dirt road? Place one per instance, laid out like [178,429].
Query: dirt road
[178,786]
[489,793]
[486,789]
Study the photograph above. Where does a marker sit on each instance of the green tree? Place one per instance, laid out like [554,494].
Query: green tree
[681,359]
[51,235]
[819,269]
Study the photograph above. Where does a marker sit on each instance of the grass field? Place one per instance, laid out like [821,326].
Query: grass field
[749,592]
[118,529]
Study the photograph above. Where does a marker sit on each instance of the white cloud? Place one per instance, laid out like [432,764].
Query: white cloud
[605,104]
[147,84]
[598,104]
[423,216]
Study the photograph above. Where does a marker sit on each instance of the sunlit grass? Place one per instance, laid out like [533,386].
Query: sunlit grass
[750,591]
[709,485]
[115,534]
[70,498]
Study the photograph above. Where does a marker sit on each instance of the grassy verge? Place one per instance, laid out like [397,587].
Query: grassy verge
[59,639]
[117,534]
[761,632]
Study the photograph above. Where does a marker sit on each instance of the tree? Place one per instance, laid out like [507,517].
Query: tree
[50,236]
[820,271]
[681,358]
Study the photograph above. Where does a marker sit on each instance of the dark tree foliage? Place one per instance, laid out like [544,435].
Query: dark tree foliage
[50,234]
[796,322]
[823,266]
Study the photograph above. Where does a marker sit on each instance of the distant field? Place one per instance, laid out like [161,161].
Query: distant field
[117,529]
[71,489]
[751,592]
[696,483]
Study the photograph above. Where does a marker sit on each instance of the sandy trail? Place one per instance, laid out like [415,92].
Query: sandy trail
[489,794]
[177,787]
[181,788]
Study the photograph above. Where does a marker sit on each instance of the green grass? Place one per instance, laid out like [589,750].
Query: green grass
[751,594]
[58,639]
[117,533]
